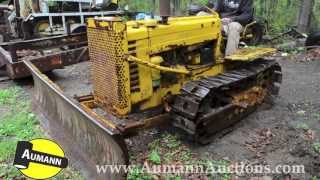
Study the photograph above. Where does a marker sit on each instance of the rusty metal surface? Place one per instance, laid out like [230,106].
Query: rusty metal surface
[213,103]
[4,57]
[86,141]
[108,70]
[77,40]
[50,41]
[16,70]
[250,97]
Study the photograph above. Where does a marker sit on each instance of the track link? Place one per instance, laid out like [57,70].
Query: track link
[211,104]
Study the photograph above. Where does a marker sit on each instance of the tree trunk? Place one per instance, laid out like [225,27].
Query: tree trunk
[304,19]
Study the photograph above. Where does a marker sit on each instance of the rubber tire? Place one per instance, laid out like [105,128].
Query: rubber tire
[36,26]
[313,39]
[77,28]
[257,31]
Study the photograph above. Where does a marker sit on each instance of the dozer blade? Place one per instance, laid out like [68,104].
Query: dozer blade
[86,141]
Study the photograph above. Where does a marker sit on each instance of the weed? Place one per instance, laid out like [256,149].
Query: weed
[171,141]
[303,126]
[155,145]
[9,96]
[68,174]
[16,125]
[137,173]
[21,125]
[222,165]
[7,149]
[316,116]
[316,147]
[185,155]
[8,172]
[206,163]
[154,157]
[168,157]
[172,177]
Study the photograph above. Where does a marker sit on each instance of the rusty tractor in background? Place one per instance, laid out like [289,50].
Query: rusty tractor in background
[51,34]
[40,18]
[4,26]
[47,53]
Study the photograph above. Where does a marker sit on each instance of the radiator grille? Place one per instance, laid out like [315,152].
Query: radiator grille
[109,69]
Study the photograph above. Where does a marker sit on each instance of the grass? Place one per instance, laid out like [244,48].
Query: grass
[316,116]
[302,126]
[138,174]
[154,157]
[316,147]
[17,124]
[9,96]
[169,150]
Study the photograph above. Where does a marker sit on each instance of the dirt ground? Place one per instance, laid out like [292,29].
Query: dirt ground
[280,134]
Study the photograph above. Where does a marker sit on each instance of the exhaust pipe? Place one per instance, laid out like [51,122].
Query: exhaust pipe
[165,10]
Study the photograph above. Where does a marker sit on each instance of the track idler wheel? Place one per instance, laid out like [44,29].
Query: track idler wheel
[211,104]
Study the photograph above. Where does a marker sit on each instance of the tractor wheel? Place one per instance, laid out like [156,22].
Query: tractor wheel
[313,39]
[257,31]
[78,28]
[40,27]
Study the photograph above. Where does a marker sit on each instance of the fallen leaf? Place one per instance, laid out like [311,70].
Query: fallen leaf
[311,135]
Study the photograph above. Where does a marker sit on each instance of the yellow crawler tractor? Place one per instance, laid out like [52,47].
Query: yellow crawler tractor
[149,72]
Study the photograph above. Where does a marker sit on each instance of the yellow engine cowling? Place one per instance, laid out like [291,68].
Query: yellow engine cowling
[121,85]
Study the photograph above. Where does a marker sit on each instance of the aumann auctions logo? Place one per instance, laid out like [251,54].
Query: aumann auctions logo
[39,158]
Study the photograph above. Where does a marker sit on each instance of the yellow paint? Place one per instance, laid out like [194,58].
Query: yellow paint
[157,60]
[250,54]
[179,70]
[146,40]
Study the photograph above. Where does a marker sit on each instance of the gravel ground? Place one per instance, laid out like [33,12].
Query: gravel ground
[280,134]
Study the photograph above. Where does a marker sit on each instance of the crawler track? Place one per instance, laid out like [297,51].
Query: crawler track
[213,103]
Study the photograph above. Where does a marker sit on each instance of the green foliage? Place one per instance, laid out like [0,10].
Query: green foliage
[171,141]
[8,96]
[16,125]
[7,149]
[21,125]
[8,172]
[154,157]
[281,15]
[316,147]
[138,174]
[224,164]
[185,155]
[302,125]
[173,177]
[68,174]
[155,145]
